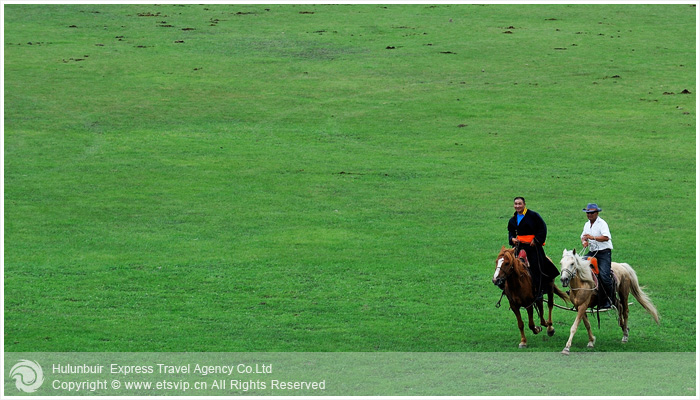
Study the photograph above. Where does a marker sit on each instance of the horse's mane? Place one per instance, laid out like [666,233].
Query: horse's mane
[582,266]
[509,256]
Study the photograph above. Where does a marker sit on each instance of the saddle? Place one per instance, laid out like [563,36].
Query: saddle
[593,263]
[594,268]
[523,257]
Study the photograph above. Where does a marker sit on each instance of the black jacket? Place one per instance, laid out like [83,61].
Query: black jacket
[532,224]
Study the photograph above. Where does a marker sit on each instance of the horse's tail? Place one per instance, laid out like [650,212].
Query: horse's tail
[639,294]
[560,293]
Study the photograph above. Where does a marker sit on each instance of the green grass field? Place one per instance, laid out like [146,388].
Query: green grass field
[336,177]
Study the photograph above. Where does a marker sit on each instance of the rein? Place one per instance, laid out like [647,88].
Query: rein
[498,305]
[588,310]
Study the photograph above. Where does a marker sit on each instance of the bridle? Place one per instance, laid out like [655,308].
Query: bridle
[567,270]
[506,273]
[572,275]
[501,281]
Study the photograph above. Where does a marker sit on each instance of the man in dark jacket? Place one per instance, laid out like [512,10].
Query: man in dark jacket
[528,231]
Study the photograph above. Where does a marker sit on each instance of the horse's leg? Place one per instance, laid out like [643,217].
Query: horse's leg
[624,310]
[550,305]
[579,316]
[587,324]
[531,322]
[521,326]
[540,312]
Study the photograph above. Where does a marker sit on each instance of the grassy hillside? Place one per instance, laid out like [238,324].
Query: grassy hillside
[335,178]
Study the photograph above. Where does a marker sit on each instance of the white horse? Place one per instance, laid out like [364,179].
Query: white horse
[576,272]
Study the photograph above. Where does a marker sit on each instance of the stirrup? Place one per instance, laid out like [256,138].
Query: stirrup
[608,305]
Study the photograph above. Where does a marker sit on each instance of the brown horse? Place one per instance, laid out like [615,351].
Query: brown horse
[576,272]
[514,278]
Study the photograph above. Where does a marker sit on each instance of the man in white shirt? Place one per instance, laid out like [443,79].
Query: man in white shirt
[596,236]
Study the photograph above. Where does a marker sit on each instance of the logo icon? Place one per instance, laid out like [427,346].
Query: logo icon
[28,376]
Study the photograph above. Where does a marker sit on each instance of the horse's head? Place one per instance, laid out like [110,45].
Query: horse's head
[570,262]
[504,267]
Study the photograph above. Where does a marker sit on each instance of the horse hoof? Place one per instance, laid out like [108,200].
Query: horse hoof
[550,332]
[591,343]
[565,352]
[625,339]
[537,330]
[522,345]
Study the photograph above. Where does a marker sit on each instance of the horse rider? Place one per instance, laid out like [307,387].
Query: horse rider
[528,231]
[596,236]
